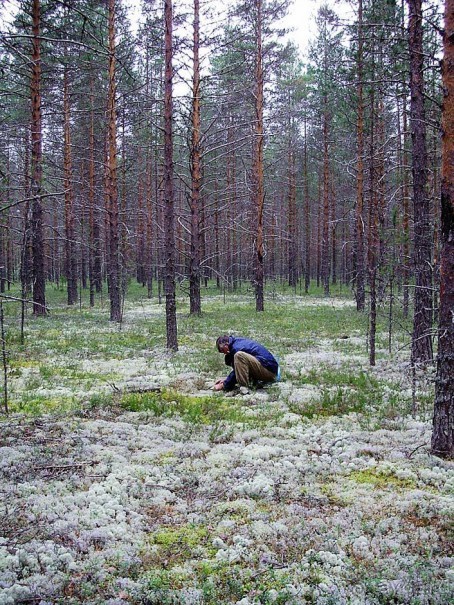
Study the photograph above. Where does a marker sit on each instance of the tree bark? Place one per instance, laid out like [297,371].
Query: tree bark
[26,264]
[258,159]
[94,253]
[39,284]
[196,175]
[169,218]
[292,244]
[333,232]
[319,229]
[443,420]
[112,181]
[140,223]
[422,319]
[71,269]
[307,216]
[372,253]
[5,229]
[326,202]
[406,216]
[148,273]
[359,251]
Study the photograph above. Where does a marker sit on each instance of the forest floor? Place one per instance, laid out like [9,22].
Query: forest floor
[125,479]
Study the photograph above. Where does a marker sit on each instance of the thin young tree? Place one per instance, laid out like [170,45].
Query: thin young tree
[443,420]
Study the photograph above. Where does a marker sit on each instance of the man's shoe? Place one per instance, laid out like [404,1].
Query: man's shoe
[244,391]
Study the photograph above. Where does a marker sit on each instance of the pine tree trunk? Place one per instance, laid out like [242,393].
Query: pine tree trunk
[372,233]
[150,195]
[196,176]
[217,265]
[114,276]
[71,270]
[3,240]
[359,251]
[7,265]
[54,260]
[39,283]
[203,245]
[83,272]
[26,267]
[307,217]
[443,421]
[140,227]
[169,219]
[123,213]
[93,241]
[403,272]
[326,203]
[292,247]
[236,237]
[380,189]
[229,219]
[423,235]
[333,239]
[258,160]
[406,219]
[97,230]
[5,235]
[159,235]
[319,231]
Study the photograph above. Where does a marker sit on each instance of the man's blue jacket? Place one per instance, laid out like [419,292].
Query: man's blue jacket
[253,348]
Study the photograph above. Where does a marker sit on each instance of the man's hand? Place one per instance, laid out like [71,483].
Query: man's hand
[218,385]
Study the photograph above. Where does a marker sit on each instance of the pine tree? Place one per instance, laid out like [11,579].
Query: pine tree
[423,238]
[169,218]
[443,420]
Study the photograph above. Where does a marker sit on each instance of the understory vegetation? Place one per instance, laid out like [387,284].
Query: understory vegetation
[126,480]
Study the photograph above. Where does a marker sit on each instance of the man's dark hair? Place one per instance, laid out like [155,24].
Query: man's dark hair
[221,341]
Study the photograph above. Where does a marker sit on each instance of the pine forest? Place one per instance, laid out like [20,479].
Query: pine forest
[278,172]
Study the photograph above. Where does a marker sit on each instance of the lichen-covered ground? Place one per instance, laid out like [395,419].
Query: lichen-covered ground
[125,479]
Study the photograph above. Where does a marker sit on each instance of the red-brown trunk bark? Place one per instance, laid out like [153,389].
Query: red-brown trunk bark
[443,421]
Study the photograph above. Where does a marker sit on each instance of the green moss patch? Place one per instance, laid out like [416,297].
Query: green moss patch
[170,546]
[381,480]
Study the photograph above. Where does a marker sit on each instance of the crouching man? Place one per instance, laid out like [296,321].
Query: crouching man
[251,363]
